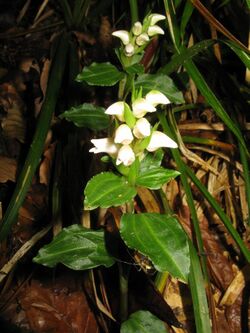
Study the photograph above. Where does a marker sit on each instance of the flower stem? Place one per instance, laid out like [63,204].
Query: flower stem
[134,10]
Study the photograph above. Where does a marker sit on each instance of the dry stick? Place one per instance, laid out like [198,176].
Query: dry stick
[21,252]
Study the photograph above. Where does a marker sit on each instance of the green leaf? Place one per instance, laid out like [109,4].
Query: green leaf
[143,322]
[106,190]
[151,160]
[244,57]
[76,247]
[100,74]
[87,115]
[162,83]
[187,13]
[135,69]
[186,54]
[159,237]
[154,178]
[196,285]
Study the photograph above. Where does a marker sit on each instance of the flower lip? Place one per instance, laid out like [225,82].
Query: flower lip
[105,145]
[160,140]
[154,18]
[142,39]
[123,135]
[155,97]
[116,109]
[141,106]
[125,155]
[142,128]
[155,30]
[123,35]
[129,50]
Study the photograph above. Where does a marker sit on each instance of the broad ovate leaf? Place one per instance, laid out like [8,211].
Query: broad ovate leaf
[162,83]
[100,74]
[154,178]
[107,189]
[161,238]
[87,115]
[76,247]
[143,321]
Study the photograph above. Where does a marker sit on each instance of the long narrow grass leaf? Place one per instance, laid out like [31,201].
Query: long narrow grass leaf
[224,218]
[186,54]
[244,57]
[36,148]
[200,305]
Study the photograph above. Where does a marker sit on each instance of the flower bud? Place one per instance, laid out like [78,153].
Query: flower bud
[142,128]
[123,135]
[129,50]
[125,156]
[160,140]
[155,97]
[137,28]
[155,30]
[142,39]
[154,18]
[140,107]
[116,109]
[123,35]
[105,145]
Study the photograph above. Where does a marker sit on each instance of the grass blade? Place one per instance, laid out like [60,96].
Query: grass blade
[200,305]
[36,148]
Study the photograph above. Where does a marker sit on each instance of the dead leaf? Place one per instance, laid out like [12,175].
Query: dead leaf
[8,168]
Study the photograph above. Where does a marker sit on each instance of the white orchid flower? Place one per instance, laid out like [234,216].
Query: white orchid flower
[116,109]
[142,39]
[155,97]
[123,135]
[105,145]
[123,35]
[129,50]
[141,106]
[160,140]
[154,18]
[142,128]
[125,155]
[137,28]
[155,30]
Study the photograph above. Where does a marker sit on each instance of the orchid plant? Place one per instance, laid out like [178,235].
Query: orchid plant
[134,149]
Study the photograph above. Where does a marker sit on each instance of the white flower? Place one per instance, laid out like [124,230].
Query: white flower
[116,109]
[129,50]
[125,156]
[141,106]
[105,145]
[155,97]
[155,30]
[142,39]
[142,128]
[123,35]
[154,18]
[137,28]
[159,140]
[123,135]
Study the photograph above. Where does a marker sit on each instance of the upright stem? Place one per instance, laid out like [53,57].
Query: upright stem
[133,10]
[123,281]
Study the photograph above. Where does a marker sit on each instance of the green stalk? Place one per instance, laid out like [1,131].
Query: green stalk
[134,11]
[36,148]
[123,281]
[67,13]
[184,179]
[246,174]
[200,306]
